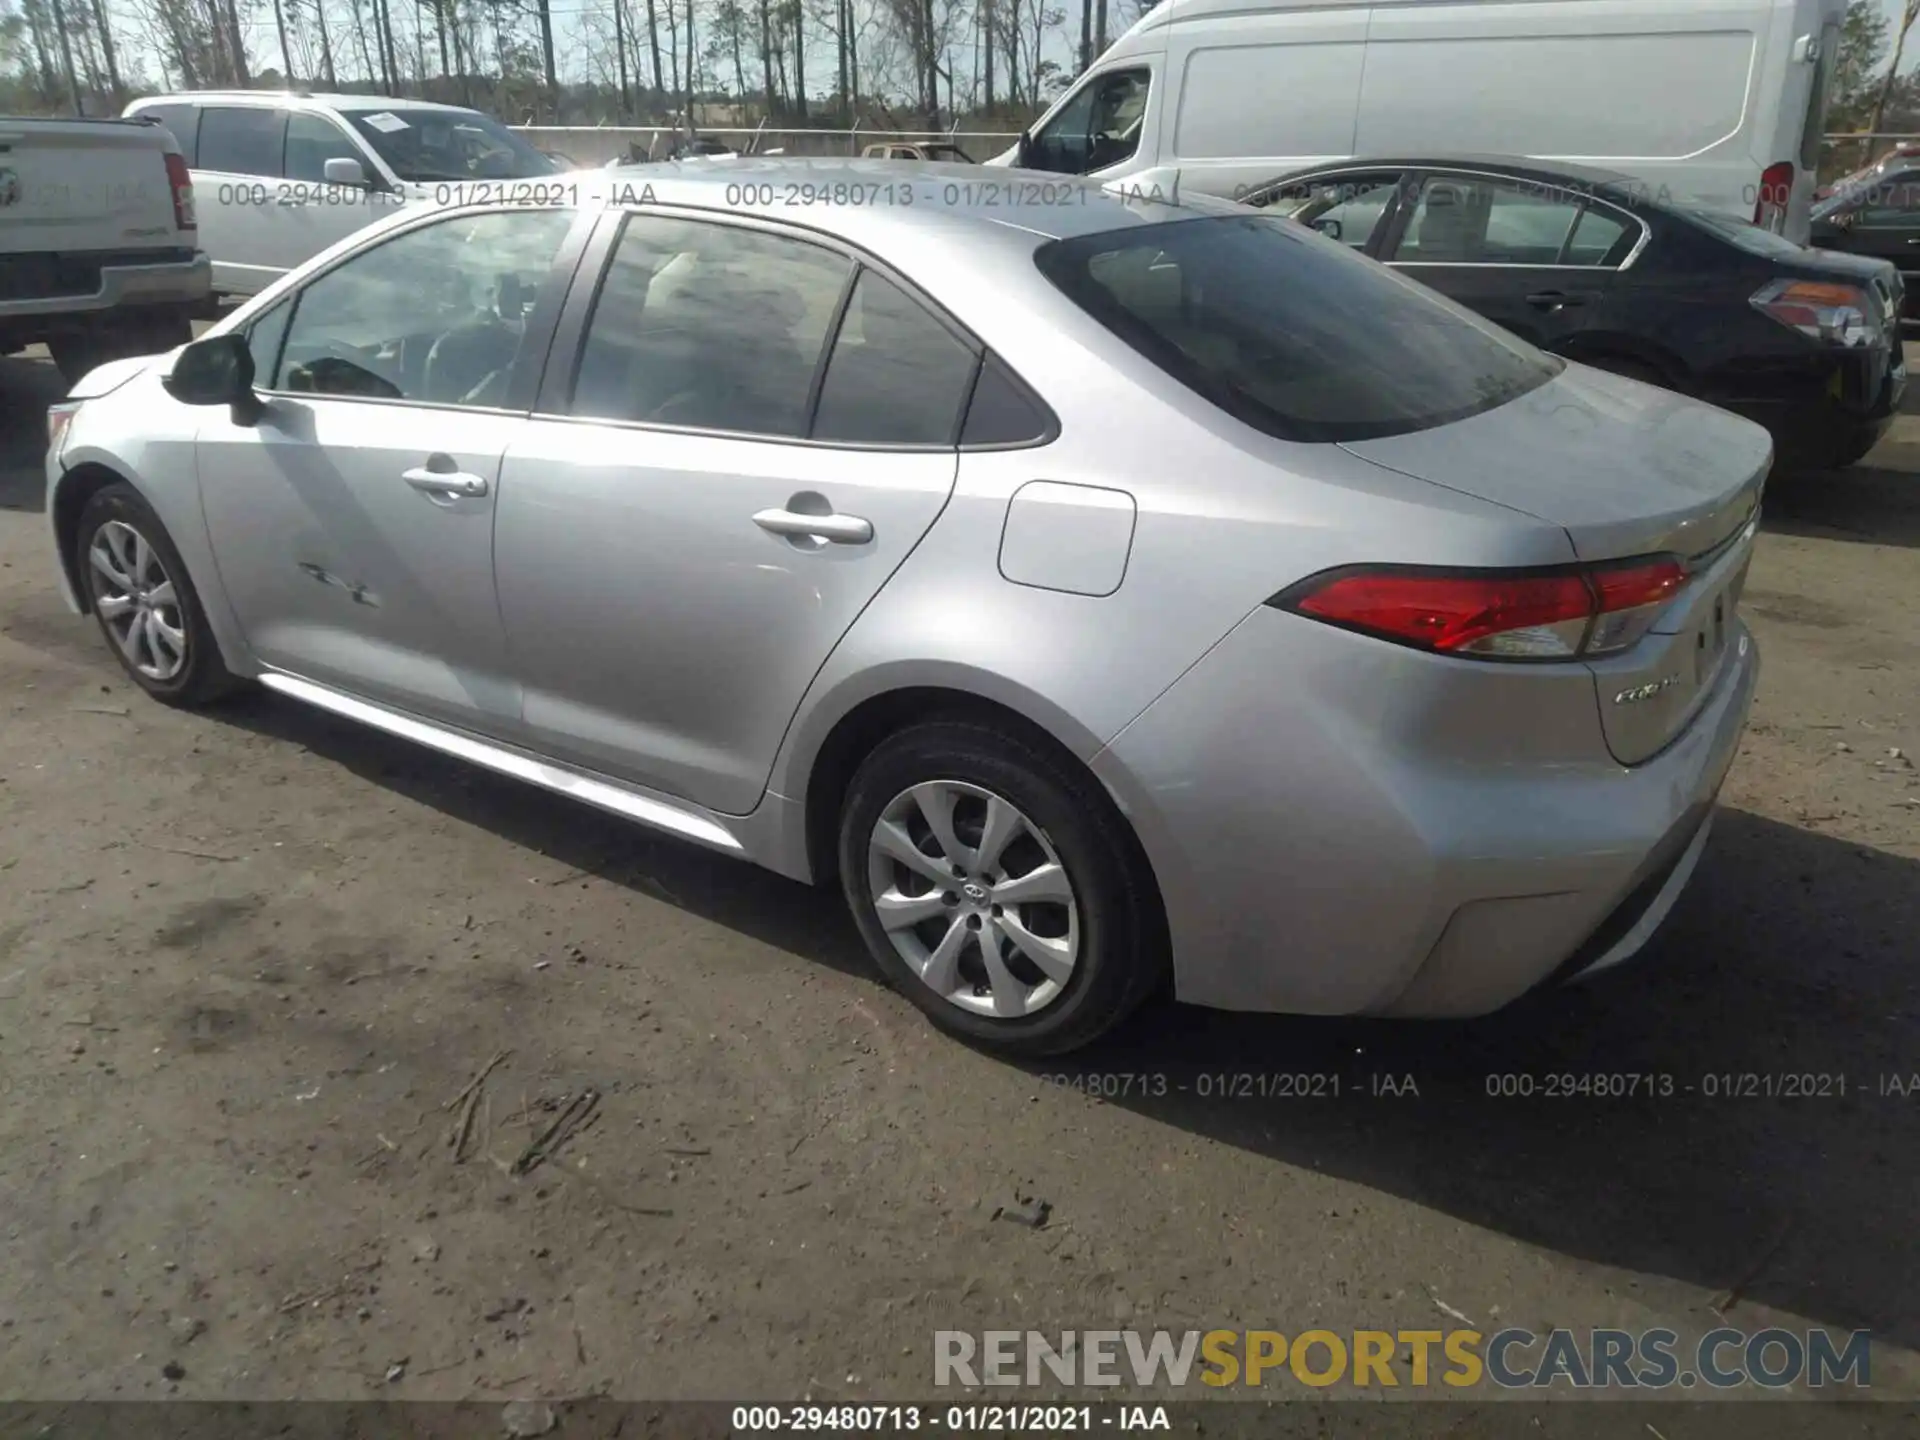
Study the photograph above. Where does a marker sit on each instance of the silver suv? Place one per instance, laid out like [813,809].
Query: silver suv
[279,176]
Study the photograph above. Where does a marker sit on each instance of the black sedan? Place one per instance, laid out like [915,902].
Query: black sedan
[1593,266]
[1876,213]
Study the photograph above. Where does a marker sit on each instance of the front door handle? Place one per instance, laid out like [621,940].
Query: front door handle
[839,529]
[447,484]
[1553,300]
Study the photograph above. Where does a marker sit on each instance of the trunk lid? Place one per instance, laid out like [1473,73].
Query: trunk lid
[85,185]
[1626,470]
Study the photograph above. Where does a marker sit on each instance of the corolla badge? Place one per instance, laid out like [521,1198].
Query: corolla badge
[9,187]
[1638,693]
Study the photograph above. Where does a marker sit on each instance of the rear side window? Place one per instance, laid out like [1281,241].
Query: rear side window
[1289,332]
[1002,411]
[897,375]
[241,140]
[709,326]
[1602,237]
[182,120]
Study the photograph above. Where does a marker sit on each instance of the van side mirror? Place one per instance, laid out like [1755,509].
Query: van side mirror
[216,371]
[1023,151]
[344,170]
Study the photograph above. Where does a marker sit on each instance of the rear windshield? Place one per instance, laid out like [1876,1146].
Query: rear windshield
[1749,237]
[1292,333]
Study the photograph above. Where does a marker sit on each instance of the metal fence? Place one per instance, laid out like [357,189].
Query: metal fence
[590,145]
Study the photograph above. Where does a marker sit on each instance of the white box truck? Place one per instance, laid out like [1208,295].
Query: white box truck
[1717,103]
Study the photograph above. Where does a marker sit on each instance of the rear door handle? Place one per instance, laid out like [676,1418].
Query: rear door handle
[1553,300]
[445,484]
[839,529]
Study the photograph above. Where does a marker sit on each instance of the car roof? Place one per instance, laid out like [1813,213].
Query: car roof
[817,193]
[308,98]
[1518,167]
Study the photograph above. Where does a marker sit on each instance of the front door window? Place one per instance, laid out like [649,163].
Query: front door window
[1097,128]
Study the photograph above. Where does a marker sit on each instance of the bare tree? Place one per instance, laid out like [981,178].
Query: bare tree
[1909,12]
[106,49]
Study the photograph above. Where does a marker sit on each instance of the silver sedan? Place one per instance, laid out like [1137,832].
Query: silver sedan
[1114,596]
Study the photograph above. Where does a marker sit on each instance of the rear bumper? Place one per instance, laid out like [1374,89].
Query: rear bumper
[186,282]
[1825,412]
[1317,854]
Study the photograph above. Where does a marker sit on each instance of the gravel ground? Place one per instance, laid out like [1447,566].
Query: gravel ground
[250,960]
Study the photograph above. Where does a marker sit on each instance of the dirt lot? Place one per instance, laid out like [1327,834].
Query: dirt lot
[249,960]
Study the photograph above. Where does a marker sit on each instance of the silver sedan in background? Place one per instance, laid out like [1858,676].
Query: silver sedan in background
[1105,592]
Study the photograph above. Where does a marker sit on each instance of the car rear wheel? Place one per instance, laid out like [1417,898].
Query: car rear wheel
[998,889]
[145,603]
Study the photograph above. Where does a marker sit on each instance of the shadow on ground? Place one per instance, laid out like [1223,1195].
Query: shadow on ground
[1876,502]
[1791,955]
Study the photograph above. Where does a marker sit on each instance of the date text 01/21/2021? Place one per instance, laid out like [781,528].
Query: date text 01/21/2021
[958,1419]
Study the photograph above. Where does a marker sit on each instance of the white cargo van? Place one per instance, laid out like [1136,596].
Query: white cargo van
[1716,102]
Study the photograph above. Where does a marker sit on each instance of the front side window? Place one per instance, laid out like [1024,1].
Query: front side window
[434,315]
[1290,332]
[897,376]
[1349,209]
[713,327]
[241,139]
[425,146]
[1099,126]
[312,140]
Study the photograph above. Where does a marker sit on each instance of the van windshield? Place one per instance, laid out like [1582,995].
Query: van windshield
[1290,332]
[428,145]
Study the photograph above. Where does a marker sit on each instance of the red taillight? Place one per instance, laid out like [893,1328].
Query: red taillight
[181,183]
[1503,615]
[1776,189]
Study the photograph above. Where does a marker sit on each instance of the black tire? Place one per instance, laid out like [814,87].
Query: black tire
[202,677]
[1849,454]
[1122,949]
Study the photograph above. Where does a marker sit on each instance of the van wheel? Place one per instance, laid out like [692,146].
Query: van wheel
[998,889]
[138,589]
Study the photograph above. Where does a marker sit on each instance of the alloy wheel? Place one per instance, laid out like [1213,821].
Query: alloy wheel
[973,896]
[136,600]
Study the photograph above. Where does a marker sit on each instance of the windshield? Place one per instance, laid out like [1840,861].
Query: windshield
[428,145]
[1292,333]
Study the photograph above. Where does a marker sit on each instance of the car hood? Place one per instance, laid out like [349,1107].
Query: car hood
[107,378]
[1625,468]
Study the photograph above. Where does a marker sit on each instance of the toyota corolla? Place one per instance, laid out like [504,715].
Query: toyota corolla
[1115,598]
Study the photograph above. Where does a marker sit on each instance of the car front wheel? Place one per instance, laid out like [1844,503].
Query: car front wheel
[998,888]
[139,591]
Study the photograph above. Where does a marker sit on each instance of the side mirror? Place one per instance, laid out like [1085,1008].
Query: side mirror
[344,170]
[1328,228]
[216,371]
[1023,150]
